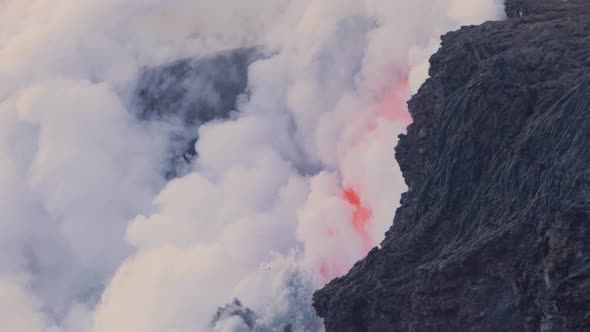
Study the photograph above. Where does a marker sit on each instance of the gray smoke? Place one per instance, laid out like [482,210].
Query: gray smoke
[144,182]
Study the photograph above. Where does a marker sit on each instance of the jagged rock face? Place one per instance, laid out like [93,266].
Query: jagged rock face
[520,8]
[191,92]
[494,233]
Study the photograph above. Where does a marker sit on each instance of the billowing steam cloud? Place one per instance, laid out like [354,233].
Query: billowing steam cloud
[286,194]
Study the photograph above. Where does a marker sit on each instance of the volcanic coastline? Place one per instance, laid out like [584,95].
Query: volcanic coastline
[493,233]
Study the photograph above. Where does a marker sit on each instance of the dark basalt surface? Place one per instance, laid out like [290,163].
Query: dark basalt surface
[494,233]
[191,92]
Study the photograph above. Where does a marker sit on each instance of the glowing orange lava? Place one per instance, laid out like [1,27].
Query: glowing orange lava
[361,216]
[390,107]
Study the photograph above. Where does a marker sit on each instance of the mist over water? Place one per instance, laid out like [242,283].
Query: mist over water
[284,194]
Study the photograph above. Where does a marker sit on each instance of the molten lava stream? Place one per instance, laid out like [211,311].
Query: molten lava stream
[361,217]
[391,109]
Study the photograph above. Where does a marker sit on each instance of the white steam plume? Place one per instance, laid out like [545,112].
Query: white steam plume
[284,196]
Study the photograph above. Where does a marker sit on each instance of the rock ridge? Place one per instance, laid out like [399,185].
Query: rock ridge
[494,232]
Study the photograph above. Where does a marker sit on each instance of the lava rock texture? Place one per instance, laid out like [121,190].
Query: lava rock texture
[494,232]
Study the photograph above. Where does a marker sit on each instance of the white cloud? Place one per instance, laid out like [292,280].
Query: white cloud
[271,208]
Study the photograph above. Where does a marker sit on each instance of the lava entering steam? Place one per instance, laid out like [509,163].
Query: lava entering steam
[393,107]
[361,216]
[288,189]
[360,184]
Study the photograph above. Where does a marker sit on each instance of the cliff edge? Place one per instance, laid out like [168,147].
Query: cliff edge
[494,232]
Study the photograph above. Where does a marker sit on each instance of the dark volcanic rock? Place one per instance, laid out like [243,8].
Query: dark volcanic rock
[237,310]
[191,92]
[494,233]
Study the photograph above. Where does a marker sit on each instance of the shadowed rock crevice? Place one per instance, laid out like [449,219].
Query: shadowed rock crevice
[494,233]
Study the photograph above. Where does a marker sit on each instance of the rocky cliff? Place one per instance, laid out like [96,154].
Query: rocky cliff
[494,232]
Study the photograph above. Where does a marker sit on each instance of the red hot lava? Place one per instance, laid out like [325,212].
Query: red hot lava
[361,216]
[391,108]
[360,219]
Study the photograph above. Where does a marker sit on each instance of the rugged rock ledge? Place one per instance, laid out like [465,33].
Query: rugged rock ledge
[494,234]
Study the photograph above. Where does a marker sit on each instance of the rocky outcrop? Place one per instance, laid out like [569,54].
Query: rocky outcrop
[239,318]
[191,92]
[494,232]
[244,316]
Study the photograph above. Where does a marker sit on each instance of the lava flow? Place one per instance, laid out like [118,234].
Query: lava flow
[361,217]
[390,108]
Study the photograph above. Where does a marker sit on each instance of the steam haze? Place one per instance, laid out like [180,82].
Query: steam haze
[286,193]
